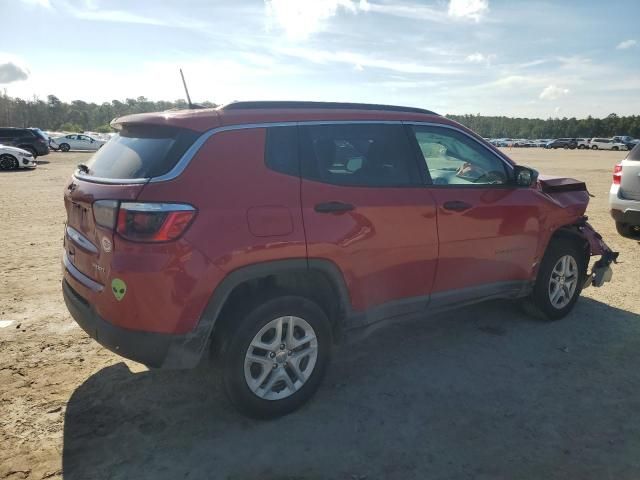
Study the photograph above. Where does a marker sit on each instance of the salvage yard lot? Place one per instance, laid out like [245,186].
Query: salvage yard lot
[483,392]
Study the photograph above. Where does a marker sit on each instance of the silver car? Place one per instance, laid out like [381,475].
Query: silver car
[624,196]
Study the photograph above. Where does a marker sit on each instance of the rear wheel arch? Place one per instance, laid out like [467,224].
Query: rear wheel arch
[318,280]
[29,149]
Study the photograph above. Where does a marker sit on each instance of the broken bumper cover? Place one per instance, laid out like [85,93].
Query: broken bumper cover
[601,271]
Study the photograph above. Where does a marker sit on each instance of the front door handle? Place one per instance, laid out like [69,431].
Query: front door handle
[456,206]
[333,207]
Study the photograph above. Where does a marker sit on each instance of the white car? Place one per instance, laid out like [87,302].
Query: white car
[78,141]
[624,196]
[606,144]
[12,158]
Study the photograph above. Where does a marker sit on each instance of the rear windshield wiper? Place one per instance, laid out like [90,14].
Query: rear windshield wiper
[83,168]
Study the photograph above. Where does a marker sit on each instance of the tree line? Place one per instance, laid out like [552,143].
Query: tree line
[53,114]
[506,127]
[78,116]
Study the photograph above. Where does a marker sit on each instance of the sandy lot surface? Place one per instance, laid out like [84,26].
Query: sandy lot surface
[482,393]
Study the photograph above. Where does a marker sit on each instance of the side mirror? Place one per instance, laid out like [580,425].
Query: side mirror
[525,176]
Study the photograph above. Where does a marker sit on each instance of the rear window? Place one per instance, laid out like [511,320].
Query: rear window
[141,152]
[634,154]
[39,133]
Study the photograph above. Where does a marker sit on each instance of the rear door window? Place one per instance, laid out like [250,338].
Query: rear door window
[141,152]
[281,151]
[367,155]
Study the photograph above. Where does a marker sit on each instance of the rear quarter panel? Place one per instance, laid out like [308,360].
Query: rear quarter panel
[246,213]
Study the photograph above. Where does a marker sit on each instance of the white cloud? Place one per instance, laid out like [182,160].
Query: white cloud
[553,92]
[38,3]
[480,58]
[471,9]
[12,69]
[412,11]
[626,44]
[358,60]
[301,18]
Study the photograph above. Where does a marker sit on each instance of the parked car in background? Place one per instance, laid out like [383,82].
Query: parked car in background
[583,143]
[78,141]
[570,143]
[630,142]
[13,158]
[624,196]
[606,144]
[315,220]
[33,140]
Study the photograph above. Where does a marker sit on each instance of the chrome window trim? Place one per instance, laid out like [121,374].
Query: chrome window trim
[81,240]
[191,152]
[79,276]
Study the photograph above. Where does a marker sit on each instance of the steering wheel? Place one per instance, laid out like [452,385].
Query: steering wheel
[493,177]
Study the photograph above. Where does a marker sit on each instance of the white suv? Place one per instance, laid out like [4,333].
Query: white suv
[606,144]
[624,196]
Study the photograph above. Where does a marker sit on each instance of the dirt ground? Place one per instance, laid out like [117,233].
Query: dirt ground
[480,393]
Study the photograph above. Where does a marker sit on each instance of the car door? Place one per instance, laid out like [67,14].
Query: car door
[365,209]
[72,140]
[488,228]
[84,142]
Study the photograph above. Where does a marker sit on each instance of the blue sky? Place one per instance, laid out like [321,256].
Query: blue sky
[495,57]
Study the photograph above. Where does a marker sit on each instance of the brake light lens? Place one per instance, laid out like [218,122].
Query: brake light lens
[153,222]
[617,174]
[105,213]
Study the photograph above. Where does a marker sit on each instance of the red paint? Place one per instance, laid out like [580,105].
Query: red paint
[397,243]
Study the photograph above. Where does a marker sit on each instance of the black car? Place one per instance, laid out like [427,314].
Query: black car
[32,140]
[563,143]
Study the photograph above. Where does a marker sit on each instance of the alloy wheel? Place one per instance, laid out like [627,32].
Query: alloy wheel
[563,282]
[7,162]
[281,358]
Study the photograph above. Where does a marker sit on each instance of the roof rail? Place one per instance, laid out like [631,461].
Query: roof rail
[252,105]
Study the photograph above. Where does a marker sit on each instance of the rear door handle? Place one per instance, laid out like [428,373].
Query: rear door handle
[333,207]
[456,206]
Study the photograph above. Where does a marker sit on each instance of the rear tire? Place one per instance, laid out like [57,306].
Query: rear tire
[560,279]
[8,162]
[273,381]
[628,231]
[614,149]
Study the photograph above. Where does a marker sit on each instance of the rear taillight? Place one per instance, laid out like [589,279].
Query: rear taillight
[144,222]
[106,212]
[617,174]
[153,222]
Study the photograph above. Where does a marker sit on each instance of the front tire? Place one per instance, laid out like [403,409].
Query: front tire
[560,279]
[65,147]
[275,356]
[8,162]
[594,147]
[615,149]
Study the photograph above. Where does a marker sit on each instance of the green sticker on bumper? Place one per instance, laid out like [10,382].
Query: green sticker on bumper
[119,288]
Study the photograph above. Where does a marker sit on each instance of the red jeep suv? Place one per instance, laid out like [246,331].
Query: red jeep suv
[263,232]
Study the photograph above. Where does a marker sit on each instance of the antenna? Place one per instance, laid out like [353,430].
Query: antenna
[186,90]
